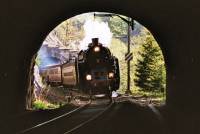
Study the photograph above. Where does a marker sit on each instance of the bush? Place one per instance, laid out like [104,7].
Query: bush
[38,104]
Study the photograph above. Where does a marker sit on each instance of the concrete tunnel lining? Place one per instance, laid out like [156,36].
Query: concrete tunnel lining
[30,22]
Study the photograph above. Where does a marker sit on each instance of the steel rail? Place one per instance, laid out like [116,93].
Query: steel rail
[91,119]
[56,118]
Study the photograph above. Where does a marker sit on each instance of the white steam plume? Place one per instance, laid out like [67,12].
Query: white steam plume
[95,29]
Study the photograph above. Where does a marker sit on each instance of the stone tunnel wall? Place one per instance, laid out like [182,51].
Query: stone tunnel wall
[25,24]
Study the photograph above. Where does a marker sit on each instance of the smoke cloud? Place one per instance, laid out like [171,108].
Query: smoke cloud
[96,29]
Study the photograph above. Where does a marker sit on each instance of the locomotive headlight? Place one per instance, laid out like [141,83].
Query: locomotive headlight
[96,49]
[110,75]
[88,77]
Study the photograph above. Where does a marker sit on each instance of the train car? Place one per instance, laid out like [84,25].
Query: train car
[70,75]
[95,71]
[52,75]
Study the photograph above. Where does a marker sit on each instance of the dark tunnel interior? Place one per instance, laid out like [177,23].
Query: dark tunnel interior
[174,24]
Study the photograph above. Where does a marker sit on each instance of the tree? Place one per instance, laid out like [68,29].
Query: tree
[150,69]
[118,26]
[70,30]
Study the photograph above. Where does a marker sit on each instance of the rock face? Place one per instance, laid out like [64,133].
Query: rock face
[53,51]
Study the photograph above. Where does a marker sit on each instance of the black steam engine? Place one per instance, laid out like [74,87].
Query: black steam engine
[94,71]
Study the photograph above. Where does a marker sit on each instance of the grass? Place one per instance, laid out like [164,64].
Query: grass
[157,96]
[39,104]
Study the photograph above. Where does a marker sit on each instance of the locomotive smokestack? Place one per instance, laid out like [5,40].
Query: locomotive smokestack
[95,41]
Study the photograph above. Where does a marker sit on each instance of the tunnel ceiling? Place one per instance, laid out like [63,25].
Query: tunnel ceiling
[175,25]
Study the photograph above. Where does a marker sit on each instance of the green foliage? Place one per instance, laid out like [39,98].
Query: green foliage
[150,69]
[146,52]
[157,96]
[38,104]
[70,30]
[38,61]
[118,27]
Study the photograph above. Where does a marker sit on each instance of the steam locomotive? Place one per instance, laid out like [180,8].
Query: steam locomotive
[94,71]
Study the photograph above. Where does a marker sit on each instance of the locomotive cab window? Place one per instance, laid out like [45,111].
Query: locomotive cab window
[98,54]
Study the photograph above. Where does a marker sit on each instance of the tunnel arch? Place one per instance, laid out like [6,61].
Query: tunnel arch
[59,23]
[156,14]
[57,19]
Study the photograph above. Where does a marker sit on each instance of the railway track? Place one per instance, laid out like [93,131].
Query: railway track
[124,118]
[70,121]
[90,119]
[54,119]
